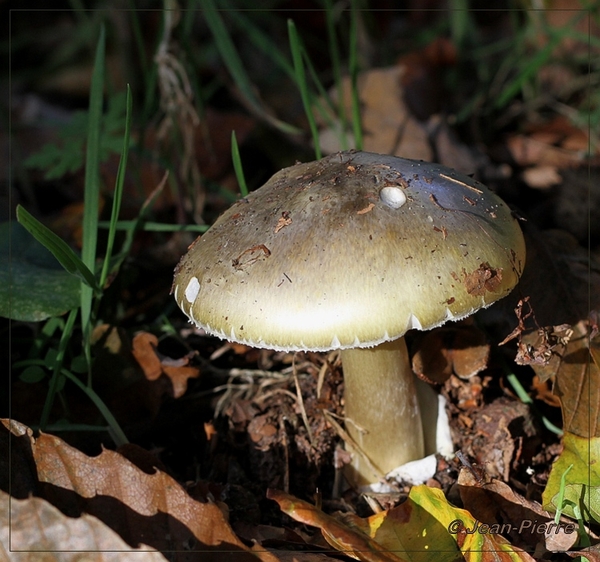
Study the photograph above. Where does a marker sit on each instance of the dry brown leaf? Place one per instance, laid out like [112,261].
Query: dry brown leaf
[306,557]
[556,143]
[143,507]
[179,377]
[541,177]
[530,151]
[462,350]
[578,383]
[109,337]
[342,537]
[504,431]
[389,127]
[153,365]
[144,345]
[35,525]
[543,391]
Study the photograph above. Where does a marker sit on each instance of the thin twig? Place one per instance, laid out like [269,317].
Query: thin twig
[301,403]
[352,445]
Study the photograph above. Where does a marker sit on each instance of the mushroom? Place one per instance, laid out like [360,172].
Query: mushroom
[350,252]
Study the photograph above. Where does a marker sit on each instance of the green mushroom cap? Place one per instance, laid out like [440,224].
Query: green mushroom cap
[350,251]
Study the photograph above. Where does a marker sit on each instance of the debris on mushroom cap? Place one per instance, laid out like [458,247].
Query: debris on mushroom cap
[350,251]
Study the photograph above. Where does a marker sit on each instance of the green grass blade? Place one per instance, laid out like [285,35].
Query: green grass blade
[58,247]
[57,368]
[131,227]
[561,495]
[302,84]
[262,41]
[118,194]
[92,188]
[336,65]
[138,38]
[526,399]
[237,165]
[228,51]
[353,68]
[461,24]
[234,64]
[529,71]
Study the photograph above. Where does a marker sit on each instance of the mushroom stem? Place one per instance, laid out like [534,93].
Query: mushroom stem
[380,394]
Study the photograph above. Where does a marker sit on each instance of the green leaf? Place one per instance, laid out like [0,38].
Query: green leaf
[581,490]
[297,57]
[32,374]
[33,285]
[58,247]
[79,364]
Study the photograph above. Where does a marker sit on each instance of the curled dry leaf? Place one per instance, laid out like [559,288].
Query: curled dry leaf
[36,525]
[153,365]
[339,535]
